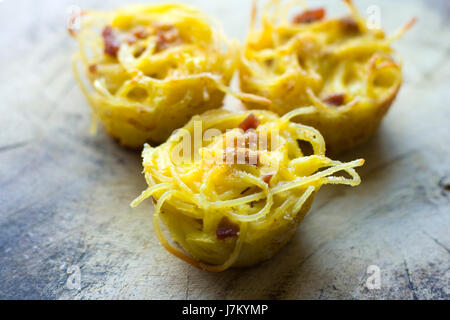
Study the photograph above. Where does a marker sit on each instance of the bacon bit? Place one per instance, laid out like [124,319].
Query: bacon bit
[165,37]
[335,99]
[349,25]
[227,229]
[309,16]
[107,32]
[266,178]
[141,33]
[112,45]
[251,122]
[236,155]
[93,68]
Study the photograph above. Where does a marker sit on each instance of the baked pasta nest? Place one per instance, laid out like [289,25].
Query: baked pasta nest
[151,67]
[344,67]
[231,188]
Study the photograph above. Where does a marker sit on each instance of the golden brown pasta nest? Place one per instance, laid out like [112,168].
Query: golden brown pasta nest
[151,68]
[227,214]
[339,65]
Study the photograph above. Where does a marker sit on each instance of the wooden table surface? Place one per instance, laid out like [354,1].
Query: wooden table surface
[64,195]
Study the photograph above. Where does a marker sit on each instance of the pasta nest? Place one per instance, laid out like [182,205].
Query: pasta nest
[231,188]
[151,67]
[342,66]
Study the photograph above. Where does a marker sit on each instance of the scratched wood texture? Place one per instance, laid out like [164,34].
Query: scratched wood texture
[64,195]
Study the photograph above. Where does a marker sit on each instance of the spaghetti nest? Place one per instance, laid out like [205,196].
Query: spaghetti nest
[152,67]
[232,187]
[343,66]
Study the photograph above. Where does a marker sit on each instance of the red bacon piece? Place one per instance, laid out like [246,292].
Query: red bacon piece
[251,122]
[164,37]
[309,16]
[268,177]
[112,45]
[141,33]
[93,68]
[227,229]
[335,99]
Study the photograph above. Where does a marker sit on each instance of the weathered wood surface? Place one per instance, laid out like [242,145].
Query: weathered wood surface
[64,195]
